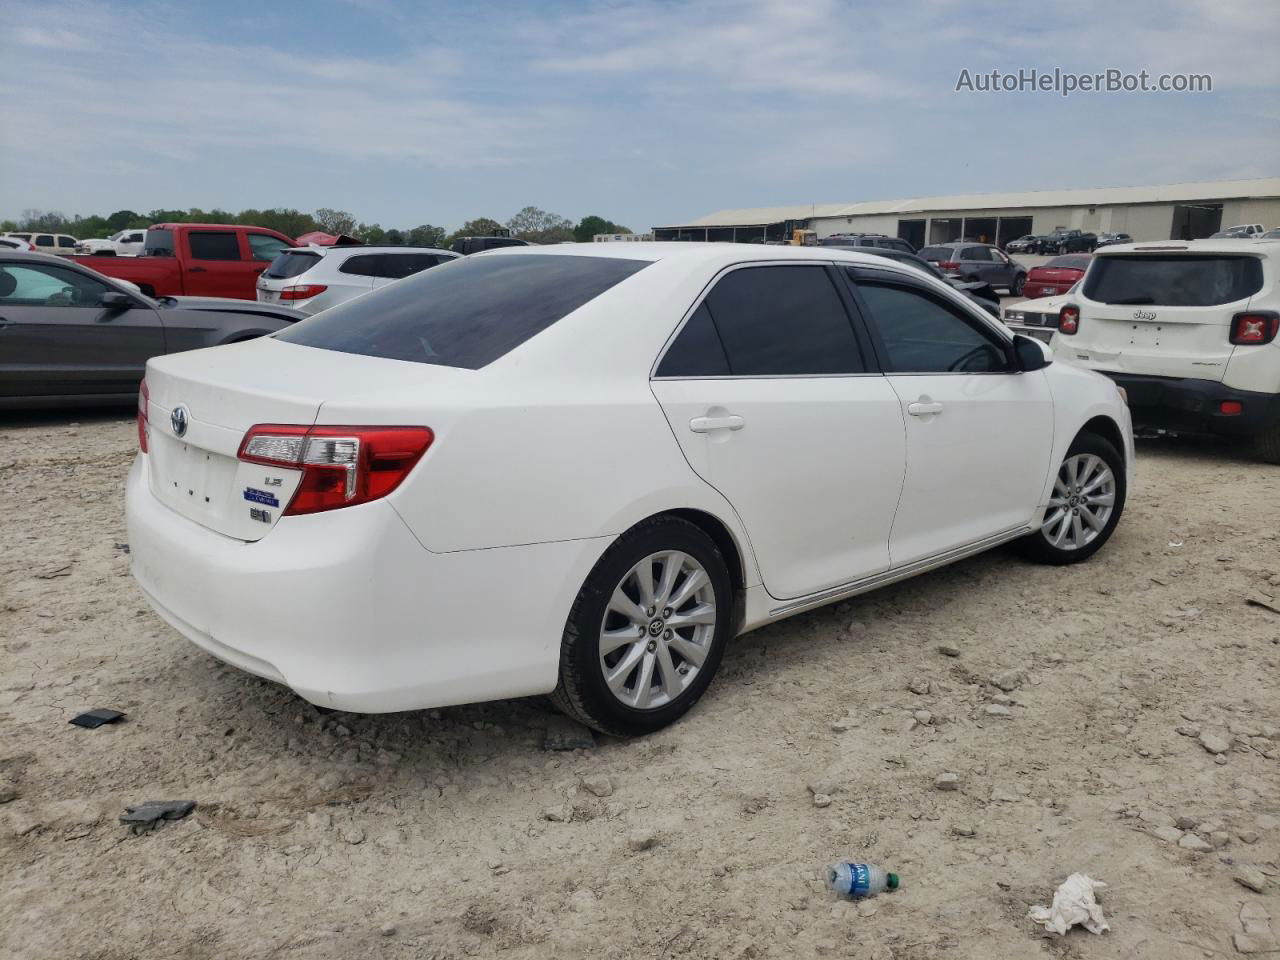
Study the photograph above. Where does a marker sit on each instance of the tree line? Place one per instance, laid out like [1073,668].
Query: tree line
[531,223]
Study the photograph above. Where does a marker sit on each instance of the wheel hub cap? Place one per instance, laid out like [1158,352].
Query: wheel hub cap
[657,630]
[1083,499]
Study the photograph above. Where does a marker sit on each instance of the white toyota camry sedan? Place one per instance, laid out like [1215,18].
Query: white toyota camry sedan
[582,470]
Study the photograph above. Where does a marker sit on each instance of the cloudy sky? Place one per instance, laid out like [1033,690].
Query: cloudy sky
[647,113]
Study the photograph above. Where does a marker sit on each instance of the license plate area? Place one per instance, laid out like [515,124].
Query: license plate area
[193,481]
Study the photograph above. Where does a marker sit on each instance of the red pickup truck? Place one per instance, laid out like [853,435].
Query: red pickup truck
[197,260]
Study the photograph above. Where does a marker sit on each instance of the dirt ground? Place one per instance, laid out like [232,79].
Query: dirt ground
[427,835]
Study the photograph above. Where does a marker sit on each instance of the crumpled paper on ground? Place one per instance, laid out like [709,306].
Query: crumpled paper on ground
[1073,903]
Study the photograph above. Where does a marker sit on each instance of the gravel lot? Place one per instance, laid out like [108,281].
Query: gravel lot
[455,833]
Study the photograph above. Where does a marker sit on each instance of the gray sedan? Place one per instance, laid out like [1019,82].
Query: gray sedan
[70,336]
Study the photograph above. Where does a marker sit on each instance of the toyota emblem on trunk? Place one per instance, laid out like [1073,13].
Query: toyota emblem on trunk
[178,420]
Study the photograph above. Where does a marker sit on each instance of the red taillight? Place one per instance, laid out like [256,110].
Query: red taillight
[1231,408]
[144,400]
[303,292]
[1069,320]
[1251,329]
[949,265]
[341,466]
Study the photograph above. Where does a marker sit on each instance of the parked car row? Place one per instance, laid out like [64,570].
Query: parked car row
[62,244]
[977,262]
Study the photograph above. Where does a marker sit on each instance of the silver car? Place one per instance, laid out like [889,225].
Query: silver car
[312,279]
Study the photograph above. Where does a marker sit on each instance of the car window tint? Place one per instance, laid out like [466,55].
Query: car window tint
[922,334]
[43,240]
[977,253]
[291,263]
[1070,262]
[783,321]
[936,253]
[48,286]
[697,351]
[467,313]
[66,241]
[1173,281]
[398,265]
[214,246]
[158,243]
[264,247]
[364,265]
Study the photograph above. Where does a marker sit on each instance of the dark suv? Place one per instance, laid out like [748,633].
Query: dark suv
[1067,241]
[977,261]
[466,245]
[880,240]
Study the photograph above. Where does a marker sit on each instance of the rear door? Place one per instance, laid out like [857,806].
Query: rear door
[979,434]
[217,266]
[1162,314]
[976,262]
[56,339]
[770,395]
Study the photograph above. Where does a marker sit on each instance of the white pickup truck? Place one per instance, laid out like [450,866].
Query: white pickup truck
[1188,328]
[125,243]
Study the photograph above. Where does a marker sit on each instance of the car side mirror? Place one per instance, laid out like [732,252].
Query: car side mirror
[1031,354]
[114,300]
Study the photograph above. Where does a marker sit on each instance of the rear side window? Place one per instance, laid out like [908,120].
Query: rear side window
[159,243]
[43,240]
[214,246]
[697,351]
[783,321]
[1173,281]
[977,253]
[291,264]
[398,265]
[466,314]
[1069,263]
[364,265]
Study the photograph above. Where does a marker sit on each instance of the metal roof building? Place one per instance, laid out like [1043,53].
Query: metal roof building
[1172,211]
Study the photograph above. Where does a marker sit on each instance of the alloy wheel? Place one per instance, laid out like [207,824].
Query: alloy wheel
[657,630]
[1084,496]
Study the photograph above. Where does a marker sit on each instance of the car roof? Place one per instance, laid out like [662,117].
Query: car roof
[354,248]
[690,252]
[22,256]
[1252,245]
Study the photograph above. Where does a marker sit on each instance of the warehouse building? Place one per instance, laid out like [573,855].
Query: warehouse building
[1180,211]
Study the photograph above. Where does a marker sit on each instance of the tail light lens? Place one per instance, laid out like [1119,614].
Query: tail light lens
[1069,320]
[948,265]
[1251,329]
[303,292]
[144,402]
[341,466]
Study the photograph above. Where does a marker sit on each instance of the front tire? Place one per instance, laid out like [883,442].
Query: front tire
[646,633]
[1084,507]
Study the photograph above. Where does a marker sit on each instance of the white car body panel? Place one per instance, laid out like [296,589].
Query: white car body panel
[541,459]
[327,272]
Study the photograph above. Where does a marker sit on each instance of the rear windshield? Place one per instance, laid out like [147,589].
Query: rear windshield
[1173,281]
[466,313]
[291,264]
[937,253]
[1070,263]
[159,243]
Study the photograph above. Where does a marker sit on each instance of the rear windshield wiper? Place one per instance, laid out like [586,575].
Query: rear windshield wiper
[1132,301]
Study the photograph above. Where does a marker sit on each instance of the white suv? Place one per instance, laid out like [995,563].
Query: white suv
[60,243]
[312,279]
[1189,330]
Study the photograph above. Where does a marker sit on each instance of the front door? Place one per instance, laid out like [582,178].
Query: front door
[56,339]
[979,433]
[767,391]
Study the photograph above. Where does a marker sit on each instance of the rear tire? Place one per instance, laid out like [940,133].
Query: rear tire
[626,671]
[1089,488]
[1019,281]
[1267,444]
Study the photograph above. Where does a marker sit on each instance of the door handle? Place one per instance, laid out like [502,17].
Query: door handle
[196,270]
[707,424]
[924,408]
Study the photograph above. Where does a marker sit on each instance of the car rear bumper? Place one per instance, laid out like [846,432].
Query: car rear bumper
[349,610]
[1191,406]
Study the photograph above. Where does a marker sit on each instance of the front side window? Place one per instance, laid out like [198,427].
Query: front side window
[922,334]
[264,247]
[468,312]
[783,321]
[66,241]
[1173,281]
[38,285]
[214,246]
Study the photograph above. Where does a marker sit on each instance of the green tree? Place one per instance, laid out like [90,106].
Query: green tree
[121,220]
[480,227]
[426,235]
[394,238]
[539,226]
[371,233]
[588,227]
[334,221]
[8,226]
[46,221]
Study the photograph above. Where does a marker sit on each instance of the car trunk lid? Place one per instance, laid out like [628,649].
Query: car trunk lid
[202,403]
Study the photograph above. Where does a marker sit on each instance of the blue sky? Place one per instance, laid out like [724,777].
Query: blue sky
[643,112]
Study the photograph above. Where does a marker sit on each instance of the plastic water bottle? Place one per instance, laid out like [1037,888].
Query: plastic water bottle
[856,881]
